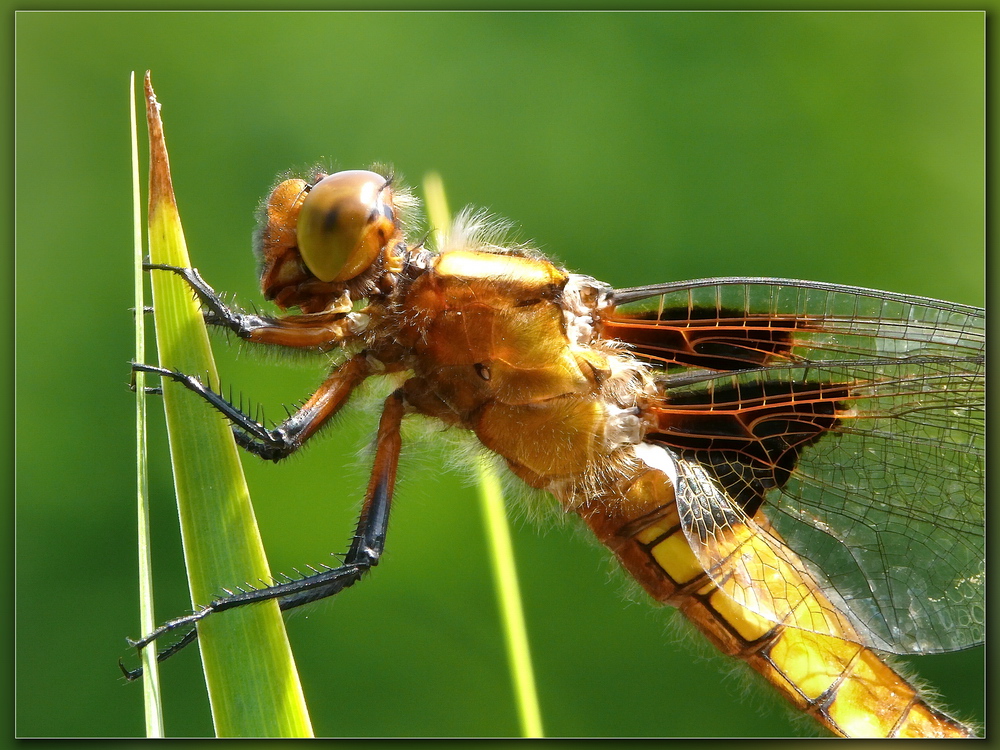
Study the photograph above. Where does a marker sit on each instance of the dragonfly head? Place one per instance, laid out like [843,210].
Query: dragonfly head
[345,221]
[321,239]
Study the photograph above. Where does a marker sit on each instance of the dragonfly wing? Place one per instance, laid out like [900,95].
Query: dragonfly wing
[751,564]
[842,428]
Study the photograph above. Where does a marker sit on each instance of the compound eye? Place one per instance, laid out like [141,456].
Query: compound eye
[345,221]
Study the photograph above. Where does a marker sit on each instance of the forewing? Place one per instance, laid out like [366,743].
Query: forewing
[846,424]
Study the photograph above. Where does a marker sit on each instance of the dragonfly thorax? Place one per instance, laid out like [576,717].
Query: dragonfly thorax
[505,345]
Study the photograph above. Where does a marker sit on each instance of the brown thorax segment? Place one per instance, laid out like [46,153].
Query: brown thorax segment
[503,344]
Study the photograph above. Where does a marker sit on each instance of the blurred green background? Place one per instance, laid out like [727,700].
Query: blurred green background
[634,147]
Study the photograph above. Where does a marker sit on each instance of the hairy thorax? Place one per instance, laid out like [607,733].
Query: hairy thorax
[504,345]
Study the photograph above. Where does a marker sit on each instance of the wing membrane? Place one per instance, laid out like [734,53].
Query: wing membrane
[843,425]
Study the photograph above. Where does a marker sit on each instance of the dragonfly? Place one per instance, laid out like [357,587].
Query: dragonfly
[798,467]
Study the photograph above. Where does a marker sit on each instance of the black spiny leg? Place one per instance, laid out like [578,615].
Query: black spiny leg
[216,311]
[364,553]
[283,440]
[321,331]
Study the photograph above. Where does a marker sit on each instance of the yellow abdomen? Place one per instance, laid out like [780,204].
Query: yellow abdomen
[846,687]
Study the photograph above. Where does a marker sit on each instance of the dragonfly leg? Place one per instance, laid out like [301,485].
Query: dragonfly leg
[286,438]
[368,542]
[320,331]
[364,553]
[216,310]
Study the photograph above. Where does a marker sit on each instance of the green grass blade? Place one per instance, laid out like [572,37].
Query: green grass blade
[147,619]
[509,601]
[252,683]
[498,533]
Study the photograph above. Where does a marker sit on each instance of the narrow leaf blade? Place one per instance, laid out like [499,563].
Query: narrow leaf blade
[253,686]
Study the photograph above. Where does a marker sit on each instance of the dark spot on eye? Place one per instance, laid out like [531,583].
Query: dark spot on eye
[330,219]
[383,210]
[483,370]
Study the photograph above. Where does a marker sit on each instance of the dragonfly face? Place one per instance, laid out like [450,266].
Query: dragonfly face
[798,467]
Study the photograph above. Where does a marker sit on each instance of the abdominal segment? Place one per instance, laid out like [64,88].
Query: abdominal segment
[846,687]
